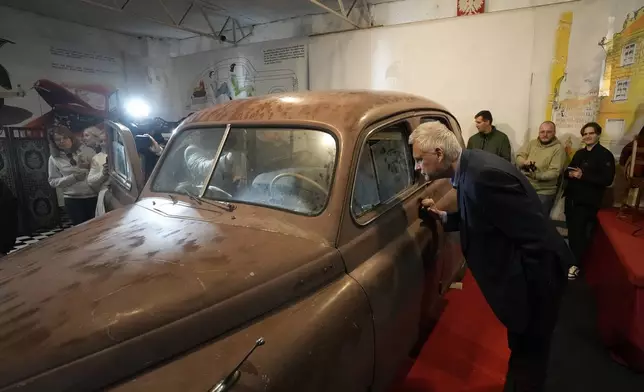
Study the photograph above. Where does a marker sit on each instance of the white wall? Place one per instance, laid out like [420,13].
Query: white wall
[144,62]
[409,11]
[498,61]
[442,60]
[466,63]
[384,14]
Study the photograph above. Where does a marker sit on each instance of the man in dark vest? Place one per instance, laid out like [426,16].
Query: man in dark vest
[488,137]
[516,255]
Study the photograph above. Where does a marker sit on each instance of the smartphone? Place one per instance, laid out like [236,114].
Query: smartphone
[571,168]
[142,142]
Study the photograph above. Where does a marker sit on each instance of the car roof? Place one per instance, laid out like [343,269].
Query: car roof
[348,111]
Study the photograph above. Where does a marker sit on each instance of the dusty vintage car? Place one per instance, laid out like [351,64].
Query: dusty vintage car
[303,242]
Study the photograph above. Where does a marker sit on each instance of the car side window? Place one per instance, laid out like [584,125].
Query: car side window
[121,164]
[385,169]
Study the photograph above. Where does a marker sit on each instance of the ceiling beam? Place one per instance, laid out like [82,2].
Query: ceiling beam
[368,16]
[342,15]
[244,35]
[179,24]
[212,29]
[341,4]
[192,3]
[167,12]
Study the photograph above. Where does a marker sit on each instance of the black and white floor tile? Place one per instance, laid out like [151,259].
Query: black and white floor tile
[24,241]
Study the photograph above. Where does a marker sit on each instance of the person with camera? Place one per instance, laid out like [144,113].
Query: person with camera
[542,161]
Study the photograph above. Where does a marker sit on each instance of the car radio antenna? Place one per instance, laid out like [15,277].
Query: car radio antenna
[232,378]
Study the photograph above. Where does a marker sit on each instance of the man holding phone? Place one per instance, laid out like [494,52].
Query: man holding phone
[590,172]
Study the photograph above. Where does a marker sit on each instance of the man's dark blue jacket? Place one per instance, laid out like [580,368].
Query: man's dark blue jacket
[512,248]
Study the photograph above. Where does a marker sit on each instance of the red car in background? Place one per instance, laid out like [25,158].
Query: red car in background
[76,105]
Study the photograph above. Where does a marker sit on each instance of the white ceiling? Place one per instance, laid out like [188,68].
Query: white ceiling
[135,18]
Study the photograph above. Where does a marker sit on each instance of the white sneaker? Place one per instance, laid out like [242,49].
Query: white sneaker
[573,272]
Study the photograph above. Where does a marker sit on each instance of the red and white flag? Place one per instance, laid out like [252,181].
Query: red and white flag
[470,7]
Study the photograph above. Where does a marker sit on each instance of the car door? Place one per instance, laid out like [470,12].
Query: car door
[450,257]
[126,173]
[383,242]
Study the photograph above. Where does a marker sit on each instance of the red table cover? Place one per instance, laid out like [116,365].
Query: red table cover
[615,272]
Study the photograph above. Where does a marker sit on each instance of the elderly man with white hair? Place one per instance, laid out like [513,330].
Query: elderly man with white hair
[515,254]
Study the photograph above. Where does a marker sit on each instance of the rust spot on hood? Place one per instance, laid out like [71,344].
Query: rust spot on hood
[191,246]
[137,241]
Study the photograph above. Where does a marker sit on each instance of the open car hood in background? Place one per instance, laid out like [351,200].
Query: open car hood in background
[56,95]
[81,110]
[64,102]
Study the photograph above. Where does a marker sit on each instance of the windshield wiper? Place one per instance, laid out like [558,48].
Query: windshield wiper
[216,203]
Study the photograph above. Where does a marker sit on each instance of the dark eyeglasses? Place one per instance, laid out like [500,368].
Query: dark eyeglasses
[71,159]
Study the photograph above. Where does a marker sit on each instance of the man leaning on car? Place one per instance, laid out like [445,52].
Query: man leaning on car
[516,255]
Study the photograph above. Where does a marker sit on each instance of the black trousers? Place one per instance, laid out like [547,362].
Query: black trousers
[530,349]
[581,221]
[80,210]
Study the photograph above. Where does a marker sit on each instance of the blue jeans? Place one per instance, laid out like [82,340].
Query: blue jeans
[547,201]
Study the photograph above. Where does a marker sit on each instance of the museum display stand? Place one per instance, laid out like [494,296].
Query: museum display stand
[24,155]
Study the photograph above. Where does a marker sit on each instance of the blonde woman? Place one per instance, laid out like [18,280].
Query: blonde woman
[98,177]
[69,165]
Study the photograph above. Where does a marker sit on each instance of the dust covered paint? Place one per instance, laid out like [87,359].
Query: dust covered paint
[169,294]
[127,273]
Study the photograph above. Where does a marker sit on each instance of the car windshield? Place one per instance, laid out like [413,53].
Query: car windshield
[284,168]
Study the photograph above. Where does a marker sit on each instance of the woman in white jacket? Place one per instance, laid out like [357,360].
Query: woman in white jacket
[69,165]
[98,177]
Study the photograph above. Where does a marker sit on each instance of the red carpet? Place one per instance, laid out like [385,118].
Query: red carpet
[466,351]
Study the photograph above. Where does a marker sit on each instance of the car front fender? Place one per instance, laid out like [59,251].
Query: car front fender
[322,342]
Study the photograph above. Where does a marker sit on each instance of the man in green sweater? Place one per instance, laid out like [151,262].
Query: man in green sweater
[542,160]
[489,138]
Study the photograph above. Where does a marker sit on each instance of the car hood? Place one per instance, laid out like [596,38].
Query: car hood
[135,287]
[55,94]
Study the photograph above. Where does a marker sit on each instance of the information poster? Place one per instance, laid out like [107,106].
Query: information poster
[209,78]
